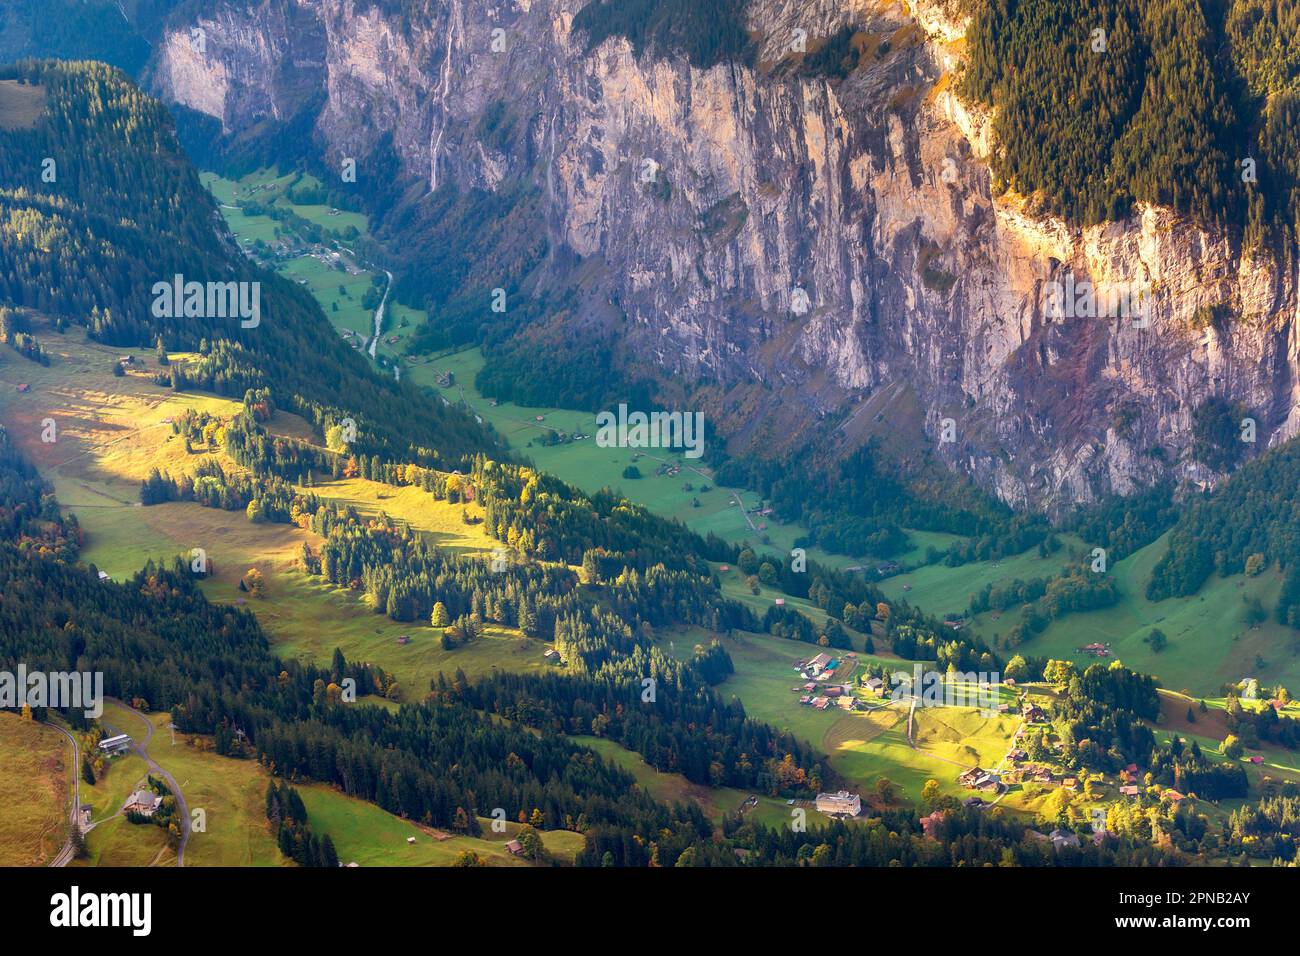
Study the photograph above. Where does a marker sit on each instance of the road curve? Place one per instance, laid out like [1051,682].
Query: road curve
[142,748]
[64,856]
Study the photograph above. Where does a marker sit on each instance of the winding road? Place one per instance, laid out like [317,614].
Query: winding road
[141,747]
[64,856]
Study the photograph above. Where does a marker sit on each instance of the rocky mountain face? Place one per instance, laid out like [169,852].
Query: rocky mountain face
[821,254]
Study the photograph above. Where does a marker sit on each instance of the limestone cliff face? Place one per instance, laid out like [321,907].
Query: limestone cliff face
[814,250]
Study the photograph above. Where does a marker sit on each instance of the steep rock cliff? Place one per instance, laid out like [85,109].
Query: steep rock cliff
[823,256]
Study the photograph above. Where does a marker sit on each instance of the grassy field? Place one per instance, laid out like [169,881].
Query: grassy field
[36,787]
[112,431]
[941,590]
[589,467]
[308,619]
[1210,640]
[364,834]
[21,104]
[675,788]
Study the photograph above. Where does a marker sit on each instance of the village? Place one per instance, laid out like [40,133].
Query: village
[1026,769]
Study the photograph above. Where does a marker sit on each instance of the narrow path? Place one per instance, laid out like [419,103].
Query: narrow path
[64,856]
[142,748]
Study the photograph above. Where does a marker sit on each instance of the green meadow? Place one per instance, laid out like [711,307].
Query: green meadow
[368,836]
[674,788]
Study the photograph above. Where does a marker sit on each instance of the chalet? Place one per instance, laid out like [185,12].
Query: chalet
[1096,650]
[1173,795]
[810,687]
[1015,754]
[85,811]
[144,802]
[973,803]
[848,703]
[834,692]
[115,745]
[841,803]
[988,783]
[1035,713]
[969,777]
[410,841]
[929,823]
[875,685]
[1043,776]
[23,386]
[821,703]
[1131,769]
[805,700]
[819,664]
[1063,838]
[1070,783]
[103,576]
[551,656]
[404,639]
[1256,759]
[1129,791]
[780,602]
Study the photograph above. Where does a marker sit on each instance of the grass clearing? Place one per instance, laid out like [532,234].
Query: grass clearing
[35,787]
[365,834]
[21,104]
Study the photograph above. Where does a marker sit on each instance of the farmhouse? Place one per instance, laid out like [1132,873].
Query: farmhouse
[143,801]
[1129,791]
[1061,838]
[515,848]
[840,803]
[969,778]
[819,664]
[875,685]
[551,656]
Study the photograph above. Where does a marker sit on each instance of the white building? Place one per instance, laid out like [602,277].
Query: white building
[842,803]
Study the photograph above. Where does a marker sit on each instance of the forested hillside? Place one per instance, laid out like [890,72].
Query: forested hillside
[99,204]
[1100,105]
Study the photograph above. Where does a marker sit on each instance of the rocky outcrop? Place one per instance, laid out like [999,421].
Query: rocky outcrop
[814,251]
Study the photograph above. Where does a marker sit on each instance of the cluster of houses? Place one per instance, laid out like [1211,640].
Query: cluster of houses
[822,694]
